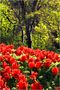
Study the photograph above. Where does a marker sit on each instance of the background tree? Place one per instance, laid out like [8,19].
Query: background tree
[8,23]
[37,18]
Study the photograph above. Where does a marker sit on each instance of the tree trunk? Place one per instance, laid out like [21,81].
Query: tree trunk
[28,34]
[22,37]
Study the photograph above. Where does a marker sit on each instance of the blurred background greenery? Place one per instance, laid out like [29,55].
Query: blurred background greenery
[33,23]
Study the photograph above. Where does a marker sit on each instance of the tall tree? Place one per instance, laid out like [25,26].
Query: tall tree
[25,10]
[39,17]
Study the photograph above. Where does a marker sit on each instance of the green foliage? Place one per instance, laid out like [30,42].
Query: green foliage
[43,19]
[40,37]
[49,15]
[11,82]
[7,21]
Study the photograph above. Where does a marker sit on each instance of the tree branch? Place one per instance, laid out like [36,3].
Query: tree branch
[34,5]
[7,17]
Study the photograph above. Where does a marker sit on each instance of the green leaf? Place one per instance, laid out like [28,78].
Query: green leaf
[14,88]
[15,56]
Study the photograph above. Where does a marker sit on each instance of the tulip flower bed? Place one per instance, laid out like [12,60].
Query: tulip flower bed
[27,69]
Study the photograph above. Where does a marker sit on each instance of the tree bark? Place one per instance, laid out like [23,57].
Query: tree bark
[26,23]
[28,34]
